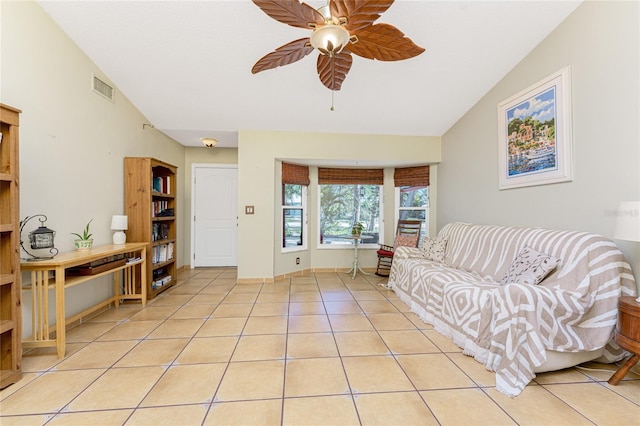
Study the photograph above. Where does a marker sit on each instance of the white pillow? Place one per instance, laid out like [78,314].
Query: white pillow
[529,267]
[433,248]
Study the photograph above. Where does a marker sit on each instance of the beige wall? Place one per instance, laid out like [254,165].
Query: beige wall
[72,141]
[259,153]
[600,41]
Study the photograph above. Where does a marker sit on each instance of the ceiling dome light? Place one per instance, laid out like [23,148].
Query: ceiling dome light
[330,39]
[209,142]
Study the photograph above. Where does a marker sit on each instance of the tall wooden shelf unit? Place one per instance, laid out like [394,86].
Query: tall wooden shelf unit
[10,289]
[150,189]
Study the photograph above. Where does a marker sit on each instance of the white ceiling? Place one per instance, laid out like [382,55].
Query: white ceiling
[186,65]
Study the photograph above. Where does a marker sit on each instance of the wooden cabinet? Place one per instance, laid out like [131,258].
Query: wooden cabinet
[627,335]
[150,189]
[10,288]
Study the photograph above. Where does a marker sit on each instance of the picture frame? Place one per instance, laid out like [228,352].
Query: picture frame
[535,134]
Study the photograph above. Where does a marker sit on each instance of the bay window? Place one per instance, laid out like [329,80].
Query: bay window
[412,195]
[295,180]
[346,197]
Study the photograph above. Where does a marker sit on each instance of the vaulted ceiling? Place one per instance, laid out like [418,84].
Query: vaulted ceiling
[186,65]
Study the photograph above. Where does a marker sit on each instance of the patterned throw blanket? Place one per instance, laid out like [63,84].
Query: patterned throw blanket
[509,327]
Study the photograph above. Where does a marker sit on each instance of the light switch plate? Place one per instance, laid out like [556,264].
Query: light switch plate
[248,209]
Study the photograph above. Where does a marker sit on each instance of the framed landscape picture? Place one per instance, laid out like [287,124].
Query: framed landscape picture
[534,134]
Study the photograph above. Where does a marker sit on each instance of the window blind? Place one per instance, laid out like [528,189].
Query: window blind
[295,174]
[330,176]
[411,176]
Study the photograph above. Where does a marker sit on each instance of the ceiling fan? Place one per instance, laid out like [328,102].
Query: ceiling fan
[340,28]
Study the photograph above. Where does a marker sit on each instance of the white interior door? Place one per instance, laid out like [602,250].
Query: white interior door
[215,216]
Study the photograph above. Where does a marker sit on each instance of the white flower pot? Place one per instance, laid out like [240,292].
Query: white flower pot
[83,244]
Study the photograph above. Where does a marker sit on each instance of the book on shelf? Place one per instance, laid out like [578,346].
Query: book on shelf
[159,207]
[162,184]
[159,231]
[162,253]
[157,184]
[161,281]
[157,273]
[170,251]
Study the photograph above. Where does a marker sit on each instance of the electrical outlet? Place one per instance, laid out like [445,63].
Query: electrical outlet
[297,260]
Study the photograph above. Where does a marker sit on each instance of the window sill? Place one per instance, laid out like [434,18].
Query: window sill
[293,249]
[348,247]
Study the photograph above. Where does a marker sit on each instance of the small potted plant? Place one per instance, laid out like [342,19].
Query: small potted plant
[84,240]
[356,229]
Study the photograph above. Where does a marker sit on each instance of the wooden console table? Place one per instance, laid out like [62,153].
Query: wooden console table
[52,274]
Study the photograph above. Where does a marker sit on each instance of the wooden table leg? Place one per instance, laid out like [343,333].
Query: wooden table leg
[143,276]
[116,288]
[622,371]
[35,306]
[61,322]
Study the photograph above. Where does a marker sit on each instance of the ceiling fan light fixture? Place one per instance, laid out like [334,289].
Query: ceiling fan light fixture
[340,29]
[325,11]
[330,39]
[209,142]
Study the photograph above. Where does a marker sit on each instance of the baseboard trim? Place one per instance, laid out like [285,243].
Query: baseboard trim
[300,273]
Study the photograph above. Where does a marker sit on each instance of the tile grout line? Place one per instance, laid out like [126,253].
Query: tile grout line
[228,363]
[286,358]
[168,367]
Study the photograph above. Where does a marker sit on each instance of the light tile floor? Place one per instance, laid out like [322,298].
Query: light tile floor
[321,349]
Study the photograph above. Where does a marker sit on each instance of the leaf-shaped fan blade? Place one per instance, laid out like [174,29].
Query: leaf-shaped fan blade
[333,70]
[291,12]
[359,13]
[284,55]
[385,43]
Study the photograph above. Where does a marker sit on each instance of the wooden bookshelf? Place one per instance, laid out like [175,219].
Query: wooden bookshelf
[10,287]
[150,203]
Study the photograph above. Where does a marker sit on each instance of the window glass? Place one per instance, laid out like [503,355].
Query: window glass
[292,227]
[413,203]
[414,196]
[293,215]
[292,195]
[341,206]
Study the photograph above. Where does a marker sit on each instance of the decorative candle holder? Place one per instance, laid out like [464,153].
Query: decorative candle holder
[41,238]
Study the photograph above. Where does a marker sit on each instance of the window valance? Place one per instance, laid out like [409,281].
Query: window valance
[330,176]
[411,176]
[295,174]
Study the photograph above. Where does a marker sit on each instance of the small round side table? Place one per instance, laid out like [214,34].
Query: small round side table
[627,334]
[356,265]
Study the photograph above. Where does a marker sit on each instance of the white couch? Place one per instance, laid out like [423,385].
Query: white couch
[518,329]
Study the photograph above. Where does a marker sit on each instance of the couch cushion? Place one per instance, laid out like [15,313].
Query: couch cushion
[529,267]
[434,248]
[405,241]
[385,253]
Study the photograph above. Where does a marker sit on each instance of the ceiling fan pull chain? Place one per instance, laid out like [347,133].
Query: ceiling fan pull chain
[332,92]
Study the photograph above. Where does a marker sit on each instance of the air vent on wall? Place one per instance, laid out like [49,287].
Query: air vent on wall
[102,88]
